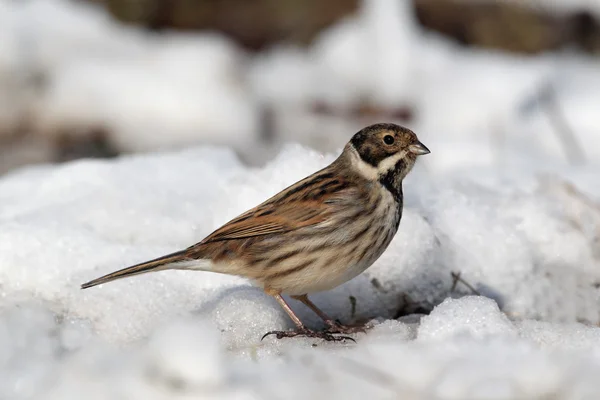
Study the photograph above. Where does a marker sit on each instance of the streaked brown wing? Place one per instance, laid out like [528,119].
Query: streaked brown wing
[280,220]
[308,202]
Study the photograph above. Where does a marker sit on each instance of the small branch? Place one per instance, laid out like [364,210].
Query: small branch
[377,285]
[456,278]
[571,146]
[353,305]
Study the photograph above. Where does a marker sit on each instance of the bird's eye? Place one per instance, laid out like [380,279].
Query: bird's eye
[388,139]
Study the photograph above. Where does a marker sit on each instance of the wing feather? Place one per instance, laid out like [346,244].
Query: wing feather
[309,202]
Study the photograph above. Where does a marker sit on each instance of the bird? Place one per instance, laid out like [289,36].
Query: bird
[314,235]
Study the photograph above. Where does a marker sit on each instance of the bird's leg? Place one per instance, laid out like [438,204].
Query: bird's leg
[333,326]
[301,330]
[288,310]
[306,301]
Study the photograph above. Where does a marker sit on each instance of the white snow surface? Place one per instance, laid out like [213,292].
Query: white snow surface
[496,201]
[529,244]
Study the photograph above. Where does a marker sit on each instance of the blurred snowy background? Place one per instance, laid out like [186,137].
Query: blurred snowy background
[212,106]
[498,81]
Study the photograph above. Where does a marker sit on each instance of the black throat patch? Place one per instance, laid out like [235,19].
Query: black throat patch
[392,180]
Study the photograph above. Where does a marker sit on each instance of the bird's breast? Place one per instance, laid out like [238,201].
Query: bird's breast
[324,257]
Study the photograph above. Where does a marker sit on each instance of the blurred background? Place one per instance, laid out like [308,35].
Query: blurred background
[482,82]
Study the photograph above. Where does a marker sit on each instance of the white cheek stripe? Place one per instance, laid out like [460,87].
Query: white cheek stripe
[365,169]
[390,162]
[373,173]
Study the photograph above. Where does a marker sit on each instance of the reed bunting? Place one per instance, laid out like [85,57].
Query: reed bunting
[315,235]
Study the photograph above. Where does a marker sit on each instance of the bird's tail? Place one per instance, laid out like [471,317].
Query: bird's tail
[158,264]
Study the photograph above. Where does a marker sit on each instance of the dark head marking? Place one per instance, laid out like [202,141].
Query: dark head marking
[392,150]
[380,141]
[392,180]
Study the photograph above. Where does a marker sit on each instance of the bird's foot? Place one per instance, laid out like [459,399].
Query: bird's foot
[335,327]
[325,335]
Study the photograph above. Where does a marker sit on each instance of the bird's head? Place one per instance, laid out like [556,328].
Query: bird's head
[384,152]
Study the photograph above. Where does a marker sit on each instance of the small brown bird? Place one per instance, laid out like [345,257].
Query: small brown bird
[316,234]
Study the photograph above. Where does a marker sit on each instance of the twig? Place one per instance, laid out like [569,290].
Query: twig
[456,277]
[571,146]
[353,305]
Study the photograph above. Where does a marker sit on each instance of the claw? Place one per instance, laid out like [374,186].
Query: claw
[325,335]
[336,327]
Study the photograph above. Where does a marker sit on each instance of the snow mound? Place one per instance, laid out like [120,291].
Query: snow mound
[528,244]
[476,316]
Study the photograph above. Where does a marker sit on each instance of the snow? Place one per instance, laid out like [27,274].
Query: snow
[496,201]
[475,316]
[183,333]
[148,92]
[67,68]
[368,56]
[479,105]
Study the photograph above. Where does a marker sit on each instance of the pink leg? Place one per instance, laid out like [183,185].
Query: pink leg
[301,330]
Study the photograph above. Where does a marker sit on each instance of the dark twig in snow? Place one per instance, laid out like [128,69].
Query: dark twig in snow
[353,305]
[553,109]
[456,277]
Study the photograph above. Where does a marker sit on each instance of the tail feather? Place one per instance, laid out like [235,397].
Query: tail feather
[157,264]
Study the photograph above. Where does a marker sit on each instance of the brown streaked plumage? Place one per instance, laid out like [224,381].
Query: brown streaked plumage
[316,234]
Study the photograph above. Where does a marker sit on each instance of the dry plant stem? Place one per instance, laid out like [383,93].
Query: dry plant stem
[457,278]
[571,146]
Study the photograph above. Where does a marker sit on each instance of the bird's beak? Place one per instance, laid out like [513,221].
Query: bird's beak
[418,149]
